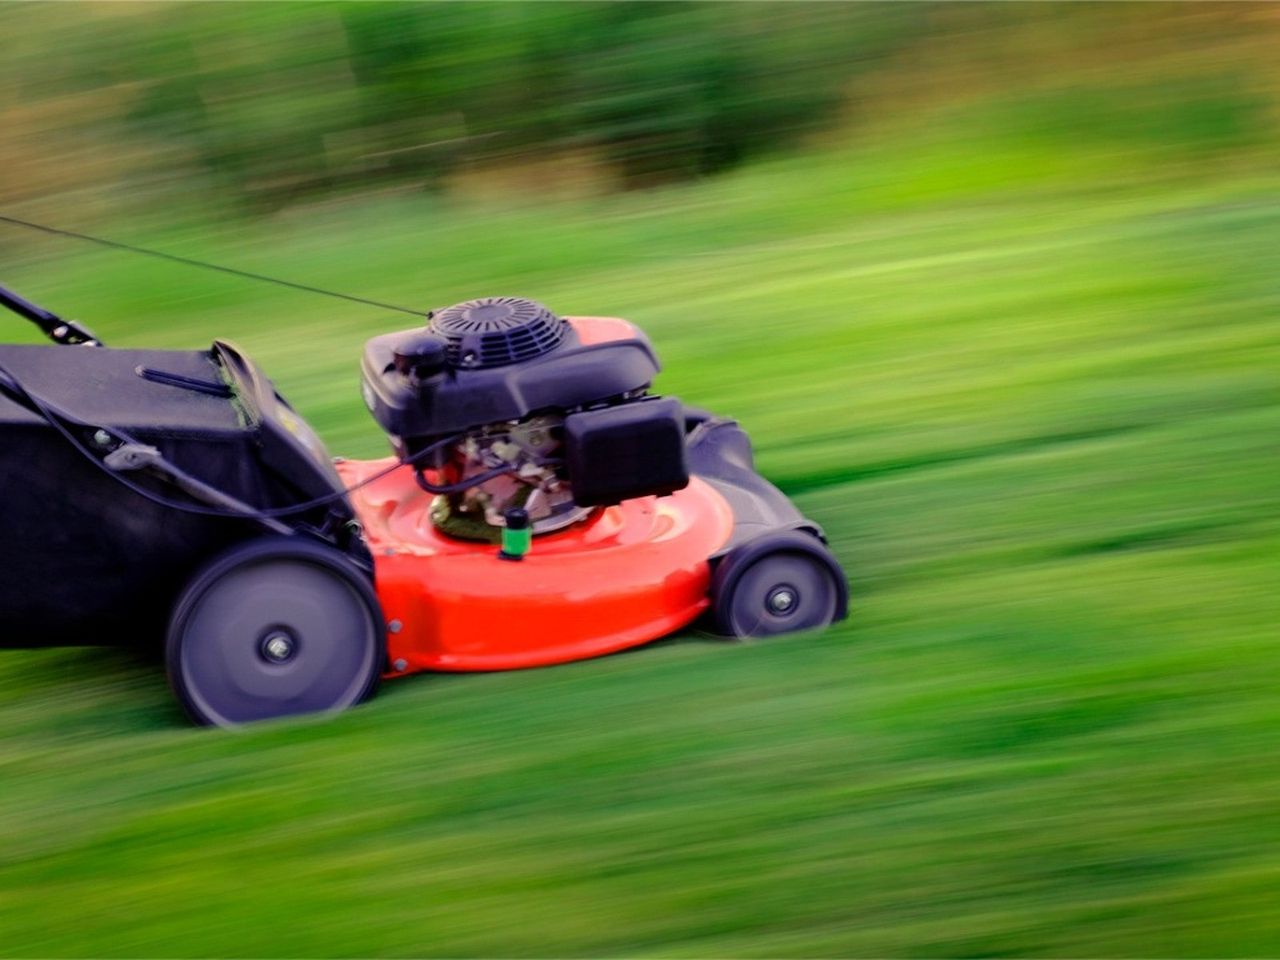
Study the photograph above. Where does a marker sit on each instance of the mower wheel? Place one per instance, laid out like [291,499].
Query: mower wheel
[777,583]
[271,628]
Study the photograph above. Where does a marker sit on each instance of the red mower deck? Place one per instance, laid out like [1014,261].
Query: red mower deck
[629,574]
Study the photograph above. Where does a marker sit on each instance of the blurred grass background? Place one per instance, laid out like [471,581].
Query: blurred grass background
[994,288]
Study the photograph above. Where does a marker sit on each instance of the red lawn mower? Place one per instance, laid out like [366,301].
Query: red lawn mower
[541,506]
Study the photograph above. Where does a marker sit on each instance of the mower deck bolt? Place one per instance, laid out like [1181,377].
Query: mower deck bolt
[394,626]
[401,665]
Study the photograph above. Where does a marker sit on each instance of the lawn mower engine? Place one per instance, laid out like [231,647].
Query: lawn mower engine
[632,514]
[513,415]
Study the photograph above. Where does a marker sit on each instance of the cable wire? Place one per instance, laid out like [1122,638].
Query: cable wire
[15,221]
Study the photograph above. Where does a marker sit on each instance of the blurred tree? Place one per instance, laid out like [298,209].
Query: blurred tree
[258,104]
[303,99]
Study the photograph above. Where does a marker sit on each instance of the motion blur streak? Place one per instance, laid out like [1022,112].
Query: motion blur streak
[993,287]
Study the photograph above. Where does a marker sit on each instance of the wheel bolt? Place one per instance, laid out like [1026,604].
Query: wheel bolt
[781,601]
[277,648]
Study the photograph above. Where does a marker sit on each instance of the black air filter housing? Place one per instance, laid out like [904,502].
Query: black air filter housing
[630,450]
[496,331]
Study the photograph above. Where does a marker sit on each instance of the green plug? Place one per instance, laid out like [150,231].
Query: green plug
[517,537]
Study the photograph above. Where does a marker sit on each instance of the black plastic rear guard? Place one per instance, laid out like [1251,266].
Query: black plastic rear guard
[719,453]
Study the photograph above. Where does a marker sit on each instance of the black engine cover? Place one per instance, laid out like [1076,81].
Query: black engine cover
[454,399]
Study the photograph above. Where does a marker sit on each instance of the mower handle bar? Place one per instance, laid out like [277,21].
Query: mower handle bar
[51,325]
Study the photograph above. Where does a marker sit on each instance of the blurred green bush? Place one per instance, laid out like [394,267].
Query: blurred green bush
[303,98]
[254,106]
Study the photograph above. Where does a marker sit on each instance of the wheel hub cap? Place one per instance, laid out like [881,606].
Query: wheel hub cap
[277,647]
[782,600]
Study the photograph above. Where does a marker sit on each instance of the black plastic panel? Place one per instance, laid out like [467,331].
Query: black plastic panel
[719,452]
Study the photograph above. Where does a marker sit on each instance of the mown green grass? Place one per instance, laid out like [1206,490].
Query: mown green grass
[1037,416]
